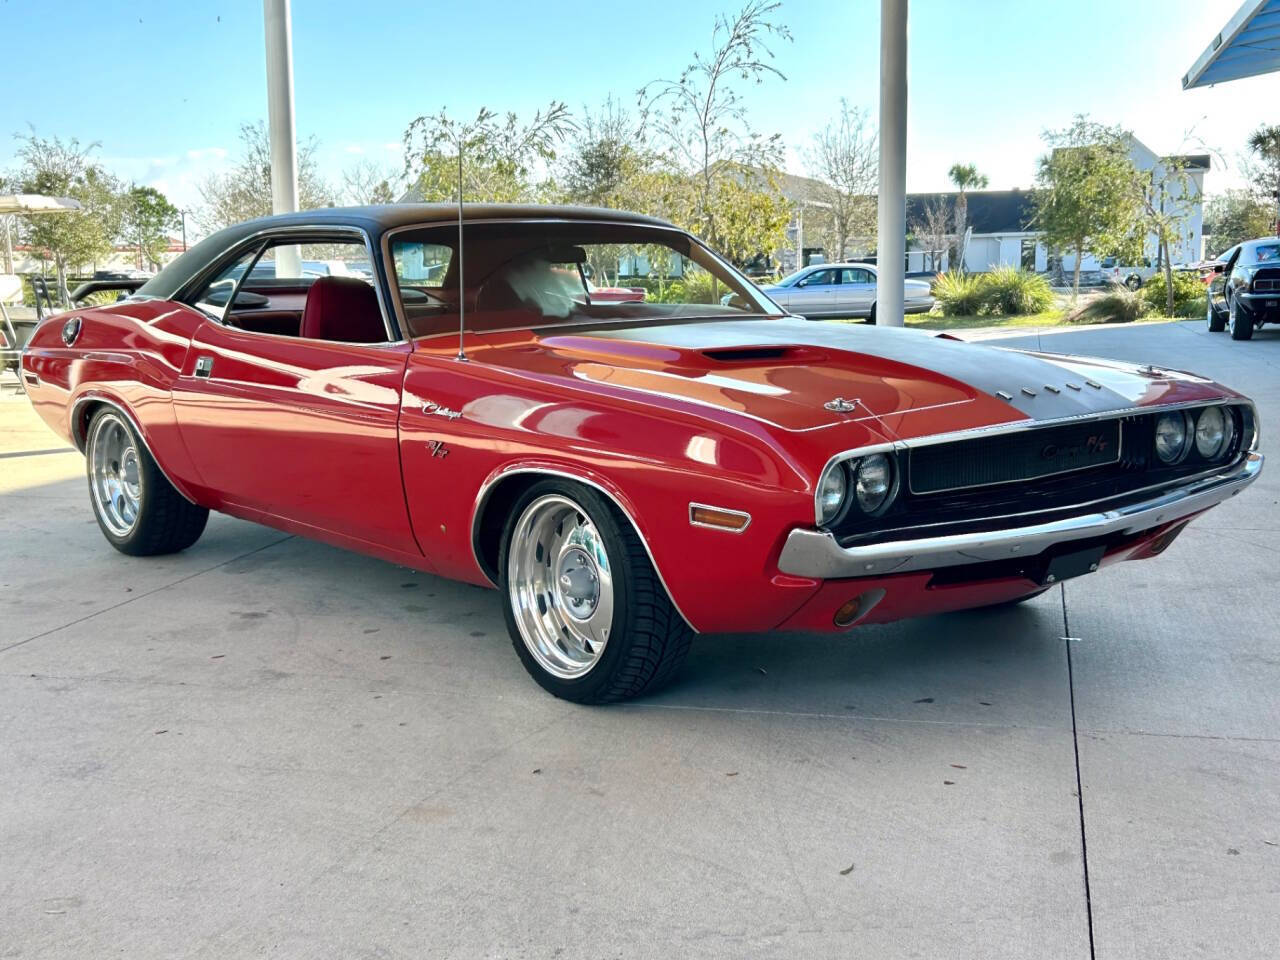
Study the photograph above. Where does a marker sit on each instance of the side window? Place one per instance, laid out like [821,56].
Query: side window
[419,264]
[855,275]
[267,290]
[820,278]
[215,296]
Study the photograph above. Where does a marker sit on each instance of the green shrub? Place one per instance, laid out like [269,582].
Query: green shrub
[1118,306]
[1013,292]
[1188,294]
[958,294]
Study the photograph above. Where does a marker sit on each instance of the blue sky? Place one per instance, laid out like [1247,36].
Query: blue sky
[164,86]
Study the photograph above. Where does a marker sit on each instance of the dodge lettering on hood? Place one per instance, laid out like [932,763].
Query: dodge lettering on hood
[462,399]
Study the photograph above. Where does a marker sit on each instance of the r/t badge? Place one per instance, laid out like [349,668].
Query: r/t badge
[437,448]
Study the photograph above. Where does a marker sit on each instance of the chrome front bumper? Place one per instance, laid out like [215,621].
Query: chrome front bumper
[815,553]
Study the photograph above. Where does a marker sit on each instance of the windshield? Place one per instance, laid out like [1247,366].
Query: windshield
[544,273]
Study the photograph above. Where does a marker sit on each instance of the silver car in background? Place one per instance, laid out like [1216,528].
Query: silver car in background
[841,290]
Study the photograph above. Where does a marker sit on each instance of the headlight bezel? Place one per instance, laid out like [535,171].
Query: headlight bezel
[835,470]
[890,491]
[1188,437]
[1222,449]
[850,465]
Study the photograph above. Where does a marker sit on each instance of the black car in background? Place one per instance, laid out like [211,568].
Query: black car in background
[1247,293]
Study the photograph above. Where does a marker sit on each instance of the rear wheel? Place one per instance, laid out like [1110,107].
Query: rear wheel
[138,510]
[1239,322]
[587,614]
[871,317]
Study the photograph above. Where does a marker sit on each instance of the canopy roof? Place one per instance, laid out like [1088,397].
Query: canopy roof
[1247,46]
[26,203]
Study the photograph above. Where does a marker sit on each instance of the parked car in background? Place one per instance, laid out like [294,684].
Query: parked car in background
[841,290]
[1246,293]
[628,473]
[1132,276]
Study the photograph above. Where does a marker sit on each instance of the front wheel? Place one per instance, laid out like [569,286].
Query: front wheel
[587,614]
[1215,321]
[1239,322]
[139,511]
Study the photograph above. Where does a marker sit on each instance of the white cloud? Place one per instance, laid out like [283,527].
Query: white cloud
[353,148]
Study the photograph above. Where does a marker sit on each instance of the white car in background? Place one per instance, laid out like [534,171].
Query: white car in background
[841,290]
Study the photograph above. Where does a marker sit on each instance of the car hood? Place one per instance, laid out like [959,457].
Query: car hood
[786,372]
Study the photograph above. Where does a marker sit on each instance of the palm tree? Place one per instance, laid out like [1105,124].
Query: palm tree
[966,177]
[1265,143]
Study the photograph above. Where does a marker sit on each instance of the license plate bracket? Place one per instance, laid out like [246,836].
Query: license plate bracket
[1076,563]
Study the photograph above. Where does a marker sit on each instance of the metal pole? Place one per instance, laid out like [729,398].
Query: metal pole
[184,230]
[280,123]
[462,289]
[892,246]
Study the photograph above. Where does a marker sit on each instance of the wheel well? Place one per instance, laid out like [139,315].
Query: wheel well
[486,533]
[80,422]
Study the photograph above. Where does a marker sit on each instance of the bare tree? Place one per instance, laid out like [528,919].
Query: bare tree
[367,182]
[844,159]
[701,117]
[931,227]
[244,192]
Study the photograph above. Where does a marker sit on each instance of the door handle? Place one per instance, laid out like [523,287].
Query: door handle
[204,367]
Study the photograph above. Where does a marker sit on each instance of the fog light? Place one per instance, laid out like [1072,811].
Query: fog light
[858,607]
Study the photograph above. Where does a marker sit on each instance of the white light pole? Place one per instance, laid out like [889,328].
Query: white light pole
[280,124]
[891,250]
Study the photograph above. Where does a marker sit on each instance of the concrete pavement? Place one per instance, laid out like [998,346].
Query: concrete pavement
[266,745]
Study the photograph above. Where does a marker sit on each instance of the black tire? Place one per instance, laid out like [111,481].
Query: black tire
[166,521]
[1133,281]
[1239,322]
[648,639]
[871,317]
[1215,321]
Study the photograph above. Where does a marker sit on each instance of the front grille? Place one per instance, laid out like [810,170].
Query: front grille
[973,484]
[1011,457]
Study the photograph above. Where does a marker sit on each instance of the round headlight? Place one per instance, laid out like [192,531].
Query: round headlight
[1215,429]
[1172,441]
[831,495]
[873,482]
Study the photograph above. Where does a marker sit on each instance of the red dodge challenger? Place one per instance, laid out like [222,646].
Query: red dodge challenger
[625,471]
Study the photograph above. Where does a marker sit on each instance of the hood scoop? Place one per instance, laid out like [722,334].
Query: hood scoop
[759,354]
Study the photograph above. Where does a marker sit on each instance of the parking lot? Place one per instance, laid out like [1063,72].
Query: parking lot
[268,745]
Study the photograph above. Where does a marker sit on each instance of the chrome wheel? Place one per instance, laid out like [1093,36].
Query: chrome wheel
[560,586]
[114,475]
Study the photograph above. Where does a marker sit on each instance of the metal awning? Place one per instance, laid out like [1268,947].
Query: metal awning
[1247,46]
[28,203]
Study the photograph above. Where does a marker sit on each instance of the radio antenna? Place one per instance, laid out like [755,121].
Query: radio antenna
[462,308]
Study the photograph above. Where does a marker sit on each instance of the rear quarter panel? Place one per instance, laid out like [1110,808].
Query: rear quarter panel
[129,353]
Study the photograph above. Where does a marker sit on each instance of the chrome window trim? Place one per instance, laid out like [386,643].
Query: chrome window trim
[257,239]
[133,422]
[483,495]
[711,526]
[398,305]
[1017,426]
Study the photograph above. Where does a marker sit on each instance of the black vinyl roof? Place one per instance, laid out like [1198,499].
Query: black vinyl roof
[374,220]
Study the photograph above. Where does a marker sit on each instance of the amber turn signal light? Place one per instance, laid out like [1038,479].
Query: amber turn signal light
[718,518]
[858,607]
